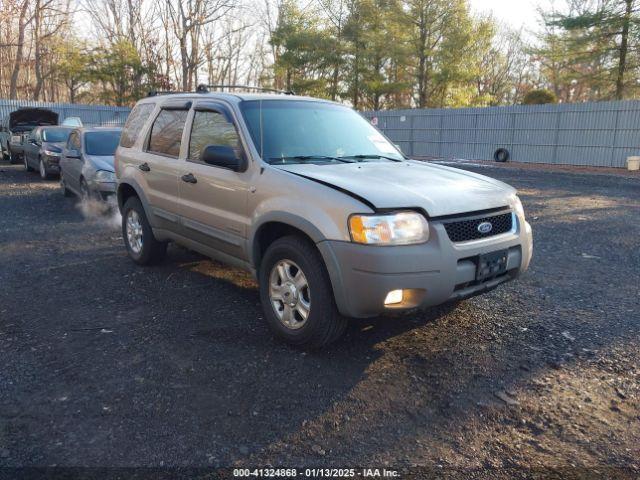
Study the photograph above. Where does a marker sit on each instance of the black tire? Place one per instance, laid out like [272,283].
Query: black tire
[324,323]
[26,165]
[44,174]
[85,193]
[13,159]
[501,155]
[152,251]
[65,191]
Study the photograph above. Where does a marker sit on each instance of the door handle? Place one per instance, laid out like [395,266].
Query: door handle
[189,178]
[144,167]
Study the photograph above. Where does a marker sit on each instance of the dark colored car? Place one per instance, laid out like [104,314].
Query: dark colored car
[17,126]
[86,166]
[43,148]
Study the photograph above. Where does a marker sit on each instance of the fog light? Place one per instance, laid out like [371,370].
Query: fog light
[394,296]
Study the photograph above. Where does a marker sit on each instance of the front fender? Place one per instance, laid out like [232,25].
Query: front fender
[288,218]
[315,234]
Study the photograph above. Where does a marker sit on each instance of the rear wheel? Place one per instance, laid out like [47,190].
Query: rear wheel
[142,246]
[13,158]
[297,296]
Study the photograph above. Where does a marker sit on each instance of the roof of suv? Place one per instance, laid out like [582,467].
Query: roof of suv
[234,97]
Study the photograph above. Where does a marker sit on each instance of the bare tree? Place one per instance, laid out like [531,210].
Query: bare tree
[227,51]
[188,19]
[503,69]
[49,18]
[23,20]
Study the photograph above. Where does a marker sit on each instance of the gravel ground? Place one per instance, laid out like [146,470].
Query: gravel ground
[108,364]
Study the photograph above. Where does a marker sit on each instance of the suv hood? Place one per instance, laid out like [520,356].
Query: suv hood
[437,189]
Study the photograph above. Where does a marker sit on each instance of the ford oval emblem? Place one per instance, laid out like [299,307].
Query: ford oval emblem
[485,227]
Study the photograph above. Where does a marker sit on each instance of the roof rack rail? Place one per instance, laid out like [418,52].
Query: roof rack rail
[155,93]
[203,88]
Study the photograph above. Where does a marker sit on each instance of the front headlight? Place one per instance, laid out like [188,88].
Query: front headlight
[51,153]
[104,176]
[401,228]
[517,206]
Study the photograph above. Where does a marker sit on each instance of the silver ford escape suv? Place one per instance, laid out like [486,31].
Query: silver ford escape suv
[332,219]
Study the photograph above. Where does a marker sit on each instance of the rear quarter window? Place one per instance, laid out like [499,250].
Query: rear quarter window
[134,124]
[166,132]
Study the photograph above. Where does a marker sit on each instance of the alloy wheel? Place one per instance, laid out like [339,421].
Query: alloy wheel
[134,231]
[289,294]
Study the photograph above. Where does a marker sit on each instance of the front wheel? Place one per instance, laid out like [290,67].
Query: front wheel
[26,165]
[63,186]
[44,174]
[142,246]
[297,296]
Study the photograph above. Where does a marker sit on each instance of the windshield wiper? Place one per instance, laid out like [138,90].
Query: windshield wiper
[371,156]
[308,158]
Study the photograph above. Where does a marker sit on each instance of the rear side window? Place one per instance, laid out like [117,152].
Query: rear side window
[135,122]
[166,132]
[211,128]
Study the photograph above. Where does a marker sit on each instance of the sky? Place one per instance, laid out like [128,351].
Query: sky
[515,13]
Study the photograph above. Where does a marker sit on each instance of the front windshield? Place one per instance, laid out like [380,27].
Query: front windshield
[294,130]
[55,135]
[102,143]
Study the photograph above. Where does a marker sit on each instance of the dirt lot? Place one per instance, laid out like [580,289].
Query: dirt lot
[108,364]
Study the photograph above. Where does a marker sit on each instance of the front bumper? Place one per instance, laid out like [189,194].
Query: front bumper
[430,274]
[51,164]
[104,190]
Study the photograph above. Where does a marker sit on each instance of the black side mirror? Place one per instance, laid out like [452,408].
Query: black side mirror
[222,156]
[72,153]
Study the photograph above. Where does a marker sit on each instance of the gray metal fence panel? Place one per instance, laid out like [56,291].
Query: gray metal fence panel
[91,115]
[594,134]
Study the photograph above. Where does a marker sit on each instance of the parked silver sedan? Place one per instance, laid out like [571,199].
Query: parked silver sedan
[86,164]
